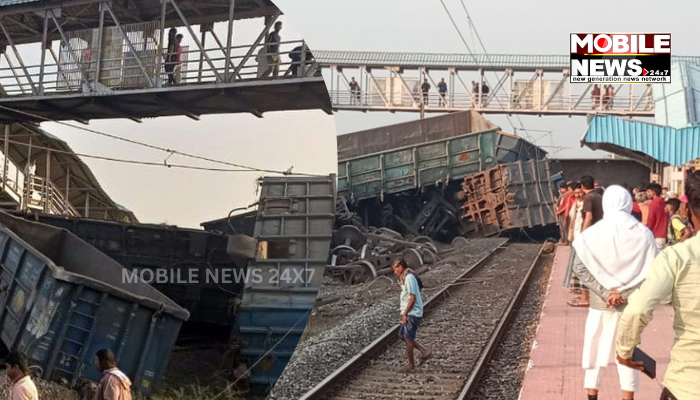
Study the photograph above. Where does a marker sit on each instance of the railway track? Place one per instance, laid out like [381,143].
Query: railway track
[462,325]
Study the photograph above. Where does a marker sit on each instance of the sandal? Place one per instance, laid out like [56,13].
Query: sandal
[577,303]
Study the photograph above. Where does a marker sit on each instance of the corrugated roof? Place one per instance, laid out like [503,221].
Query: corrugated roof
[661,143]
[434,60]
[8,3]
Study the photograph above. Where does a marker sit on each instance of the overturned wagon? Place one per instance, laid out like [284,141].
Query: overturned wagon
[62,300]
[508,196]
[176,250]
[407,177]
[293,228]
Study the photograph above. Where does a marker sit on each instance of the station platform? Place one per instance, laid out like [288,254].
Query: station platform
[554,370]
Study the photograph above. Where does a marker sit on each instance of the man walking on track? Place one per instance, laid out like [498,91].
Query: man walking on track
[411,311]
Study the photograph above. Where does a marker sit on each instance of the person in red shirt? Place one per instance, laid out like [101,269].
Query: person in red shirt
[657,221]
[565,202]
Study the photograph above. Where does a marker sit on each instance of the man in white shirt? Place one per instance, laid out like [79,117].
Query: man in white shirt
[23,388]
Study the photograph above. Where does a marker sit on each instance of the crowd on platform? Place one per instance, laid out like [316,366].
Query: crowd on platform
[632,251]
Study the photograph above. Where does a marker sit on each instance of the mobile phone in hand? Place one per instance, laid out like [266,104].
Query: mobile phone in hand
[648,362]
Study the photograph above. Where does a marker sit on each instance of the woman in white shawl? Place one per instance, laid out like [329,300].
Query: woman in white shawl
[612,259]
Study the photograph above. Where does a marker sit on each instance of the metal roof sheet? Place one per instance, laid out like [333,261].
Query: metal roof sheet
[662,143]
[7,3]
[434,60]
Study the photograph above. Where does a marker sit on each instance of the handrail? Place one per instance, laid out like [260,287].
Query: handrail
[65,74]
[36,193]
[49,199]
[375,98]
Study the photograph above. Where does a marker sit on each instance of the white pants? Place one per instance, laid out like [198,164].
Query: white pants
[598,348]
[660,243]
[629,378]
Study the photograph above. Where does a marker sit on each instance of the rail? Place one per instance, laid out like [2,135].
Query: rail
[321,390]
[346,99]
[75,70]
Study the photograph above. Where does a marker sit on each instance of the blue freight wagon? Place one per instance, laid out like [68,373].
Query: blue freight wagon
[61,300]
[293,228]
[154,247]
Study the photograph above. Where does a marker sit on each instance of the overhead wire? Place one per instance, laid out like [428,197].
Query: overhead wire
[170,152]
[476,62]
[471,24]
[130,161]
[471,53]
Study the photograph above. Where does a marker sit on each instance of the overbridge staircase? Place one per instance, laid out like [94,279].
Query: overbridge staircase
[17,192]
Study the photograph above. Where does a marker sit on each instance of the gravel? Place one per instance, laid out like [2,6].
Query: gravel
[504,375]
[337,331]
[456,331]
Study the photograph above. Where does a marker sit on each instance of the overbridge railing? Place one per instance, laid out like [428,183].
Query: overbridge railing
[526,102]
[75,68]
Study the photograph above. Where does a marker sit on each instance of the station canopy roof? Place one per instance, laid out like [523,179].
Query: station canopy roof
[67,170]
[643,141]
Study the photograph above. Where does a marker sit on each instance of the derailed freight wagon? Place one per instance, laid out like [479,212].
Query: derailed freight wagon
[62,300]
[293,228]
[508,196]
[168,248]
[410,181]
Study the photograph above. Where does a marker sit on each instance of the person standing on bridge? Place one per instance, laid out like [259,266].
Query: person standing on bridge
[273,49]
[355,91]
[612,259]
[177,71]
[609,97]
[170,56]
[411,310]
[595,97]
[425,88]
[675,273]
[442,89]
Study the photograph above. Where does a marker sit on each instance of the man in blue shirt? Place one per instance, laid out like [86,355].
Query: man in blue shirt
[442,89]
[411,311]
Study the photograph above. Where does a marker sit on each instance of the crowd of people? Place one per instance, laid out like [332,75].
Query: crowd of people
[602,98]
[630,252]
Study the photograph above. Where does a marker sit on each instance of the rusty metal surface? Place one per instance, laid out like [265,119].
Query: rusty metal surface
[508,196]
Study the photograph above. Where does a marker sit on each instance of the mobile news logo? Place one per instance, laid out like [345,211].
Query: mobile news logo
[620,58]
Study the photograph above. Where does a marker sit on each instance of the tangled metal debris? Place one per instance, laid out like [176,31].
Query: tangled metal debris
[357,256]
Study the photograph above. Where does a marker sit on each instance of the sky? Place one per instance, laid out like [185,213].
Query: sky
[505,27]
[303,139]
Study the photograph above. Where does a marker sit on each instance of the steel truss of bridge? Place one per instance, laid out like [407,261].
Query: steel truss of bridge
[92,59]
[517,84]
